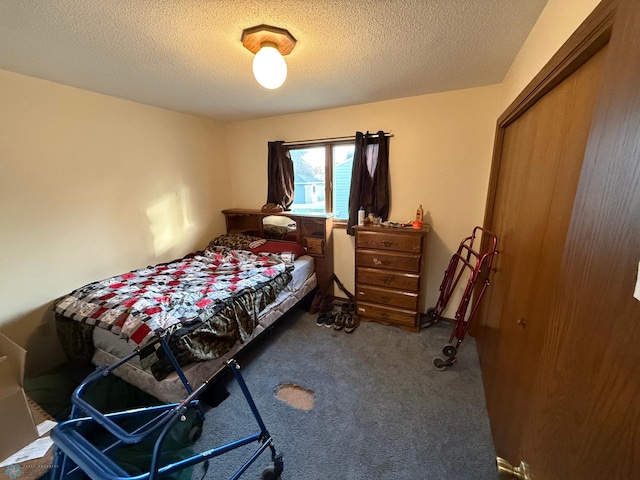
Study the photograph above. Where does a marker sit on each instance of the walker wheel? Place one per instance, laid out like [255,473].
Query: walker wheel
[449,350]
[269,473]
[440,363]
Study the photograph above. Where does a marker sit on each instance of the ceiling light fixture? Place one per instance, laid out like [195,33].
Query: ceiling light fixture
[269,44]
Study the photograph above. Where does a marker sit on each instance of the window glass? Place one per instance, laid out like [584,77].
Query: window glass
[312,165]
[309,173]
[342,166]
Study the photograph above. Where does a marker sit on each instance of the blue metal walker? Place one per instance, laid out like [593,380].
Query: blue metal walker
[75,454]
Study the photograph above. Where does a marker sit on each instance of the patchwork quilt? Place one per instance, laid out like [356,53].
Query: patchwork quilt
[142,303]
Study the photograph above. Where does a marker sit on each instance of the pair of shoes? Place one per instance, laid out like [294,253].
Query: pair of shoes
[327,319]
[341,317]
[352,321]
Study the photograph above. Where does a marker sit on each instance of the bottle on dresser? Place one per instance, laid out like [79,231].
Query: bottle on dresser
[417,224]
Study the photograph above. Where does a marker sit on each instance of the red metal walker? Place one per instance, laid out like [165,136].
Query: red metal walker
[465,260]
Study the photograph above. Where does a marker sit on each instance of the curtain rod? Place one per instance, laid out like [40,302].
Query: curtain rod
[334,139]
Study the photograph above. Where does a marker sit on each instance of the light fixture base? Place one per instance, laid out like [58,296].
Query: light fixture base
[254,37]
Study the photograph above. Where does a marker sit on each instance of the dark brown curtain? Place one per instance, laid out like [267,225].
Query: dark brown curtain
[369,178]
[279,175]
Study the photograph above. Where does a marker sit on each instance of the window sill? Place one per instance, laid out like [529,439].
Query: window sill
[340,224]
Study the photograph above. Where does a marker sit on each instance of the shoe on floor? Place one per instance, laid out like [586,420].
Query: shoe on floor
[323,318]
[330,320]
[338,324]
[352,321]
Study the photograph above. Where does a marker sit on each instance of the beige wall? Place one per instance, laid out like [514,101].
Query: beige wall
[439,157]
[91,186]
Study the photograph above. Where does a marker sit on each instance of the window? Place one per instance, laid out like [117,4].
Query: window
[312,165]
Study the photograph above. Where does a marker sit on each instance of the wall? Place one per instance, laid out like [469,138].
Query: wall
[439,157]
[91,186]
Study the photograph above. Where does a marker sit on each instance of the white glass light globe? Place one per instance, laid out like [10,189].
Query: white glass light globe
[269,67]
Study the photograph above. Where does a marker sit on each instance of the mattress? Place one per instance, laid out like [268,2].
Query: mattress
[109,348]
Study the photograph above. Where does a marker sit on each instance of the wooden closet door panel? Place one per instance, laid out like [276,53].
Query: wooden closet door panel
[587,404]
[531,216]
[511,185]
[528,143]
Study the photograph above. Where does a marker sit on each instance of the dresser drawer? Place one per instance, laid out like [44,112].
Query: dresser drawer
[407,300]
[408,262]
[389,241]
[387,315]
[315,246]
[398,280]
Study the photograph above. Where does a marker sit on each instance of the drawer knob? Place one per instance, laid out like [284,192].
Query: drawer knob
[384,315]
[377,262]
[384,298]
[387,243]
[387,280]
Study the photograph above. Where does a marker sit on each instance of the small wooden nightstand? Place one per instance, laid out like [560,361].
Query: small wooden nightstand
[390,275]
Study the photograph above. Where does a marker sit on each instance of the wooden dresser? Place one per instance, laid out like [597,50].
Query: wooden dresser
[390,275]
[312,231]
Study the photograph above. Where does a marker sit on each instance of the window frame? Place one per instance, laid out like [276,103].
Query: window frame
[328,171]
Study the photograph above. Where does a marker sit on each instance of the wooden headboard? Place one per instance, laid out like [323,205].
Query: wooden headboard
[312,231]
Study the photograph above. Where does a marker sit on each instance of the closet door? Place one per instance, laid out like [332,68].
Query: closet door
[542,153]
[537,162]
[585,416]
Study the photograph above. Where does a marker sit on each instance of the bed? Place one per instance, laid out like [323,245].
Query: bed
[209,305]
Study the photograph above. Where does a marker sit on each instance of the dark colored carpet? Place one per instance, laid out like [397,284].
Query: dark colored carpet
[381,411]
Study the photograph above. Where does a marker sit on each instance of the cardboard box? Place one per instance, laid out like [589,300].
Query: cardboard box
[17,428]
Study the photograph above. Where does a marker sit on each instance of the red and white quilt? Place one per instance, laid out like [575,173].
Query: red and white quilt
[142,302]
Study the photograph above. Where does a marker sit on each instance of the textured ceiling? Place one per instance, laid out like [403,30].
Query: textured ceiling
[186,55]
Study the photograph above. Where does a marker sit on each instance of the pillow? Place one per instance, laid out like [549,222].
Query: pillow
[275,231]
[234,241]
[272,246]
